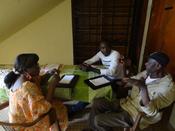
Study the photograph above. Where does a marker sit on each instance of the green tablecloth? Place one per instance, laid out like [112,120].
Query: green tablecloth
[81,91]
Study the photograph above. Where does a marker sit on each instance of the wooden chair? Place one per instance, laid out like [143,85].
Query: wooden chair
[9,126]
[164,121]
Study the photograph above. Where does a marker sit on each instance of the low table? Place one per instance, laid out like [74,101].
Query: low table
[81,91]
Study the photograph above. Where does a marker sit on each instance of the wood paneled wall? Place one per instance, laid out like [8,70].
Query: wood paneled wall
[95,20]
[161,34]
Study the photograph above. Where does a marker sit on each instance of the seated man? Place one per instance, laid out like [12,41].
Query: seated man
[110,60]
[151,91]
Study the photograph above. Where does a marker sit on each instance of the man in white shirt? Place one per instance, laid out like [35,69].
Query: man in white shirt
[152,90]
[110,60]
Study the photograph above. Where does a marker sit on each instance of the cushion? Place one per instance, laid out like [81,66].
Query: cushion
[4,70]
[3,95]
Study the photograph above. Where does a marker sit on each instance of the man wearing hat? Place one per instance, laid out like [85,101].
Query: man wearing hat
[151,90]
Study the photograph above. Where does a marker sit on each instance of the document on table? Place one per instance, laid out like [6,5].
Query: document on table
[66,79]
[49,67]
[99,81]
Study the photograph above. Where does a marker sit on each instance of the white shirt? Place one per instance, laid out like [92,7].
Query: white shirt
[149,80]
[111,63]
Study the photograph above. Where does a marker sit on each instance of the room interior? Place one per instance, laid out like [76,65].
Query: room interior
[68,31]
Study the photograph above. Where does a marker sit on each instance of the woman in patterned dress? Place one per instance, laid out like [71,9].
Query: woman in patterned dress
[26,101]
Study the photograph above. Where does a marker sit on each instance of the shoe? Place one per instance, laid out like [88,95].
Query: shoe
[76,107]
[79,106]
[73,109]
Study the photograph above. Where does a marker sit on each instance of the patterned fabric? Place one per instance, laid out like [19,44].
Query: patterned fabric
[61,112]
[3,95]
[27,104]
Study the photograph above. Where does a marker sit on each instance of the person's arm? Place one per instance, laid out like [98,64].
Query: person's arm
[90,68]
[163,97]
[86,66]
[139,81]
[143,90]
[144,95]
[94,59]
[53,82]
[47,75]
[33,104]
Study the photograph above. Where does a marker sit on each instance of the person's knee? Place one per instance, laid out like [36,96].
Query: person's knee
[98,120]
[97,103]
[101,123]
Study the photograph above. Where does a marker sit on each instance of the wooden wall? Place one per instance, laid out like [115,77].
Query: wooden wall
[95,20]
[161,34]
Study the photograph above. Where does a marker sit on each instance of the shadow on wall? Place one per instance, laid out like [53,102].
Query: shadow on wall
[17,14]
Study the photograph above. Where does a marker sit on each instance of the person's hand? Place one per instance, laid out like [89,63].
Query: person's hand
[85,67]
[120,83]
[134,82]
[53,71]
[54,80]
[82,67]
[125,82]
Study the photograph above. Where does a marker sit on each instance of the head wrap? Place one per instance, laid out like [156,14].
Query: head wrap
[160,57]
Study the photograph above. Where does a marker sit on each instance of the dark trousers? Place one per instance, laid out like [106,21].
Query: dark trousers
[106,114]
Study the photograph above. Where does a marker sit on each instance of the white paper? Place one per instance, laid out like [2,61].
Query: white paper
[73,102]
[49,67]
[99,81]
[66,79]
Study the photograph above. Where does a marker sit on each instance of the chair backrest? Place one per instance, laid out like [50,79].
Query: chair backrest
[9,126]
[167,113]
[4,116]
[165,119]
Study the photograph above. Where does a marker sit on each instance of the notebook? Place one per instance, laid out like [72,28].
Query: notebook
[68,81]
[98,82]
